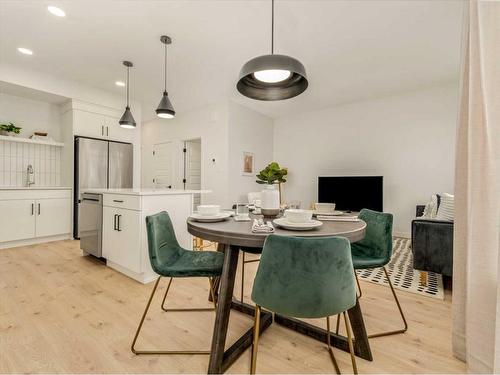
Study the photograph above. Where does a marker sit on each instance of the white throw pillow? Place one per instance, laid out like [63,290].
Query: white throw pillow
[431,208]
[446,207]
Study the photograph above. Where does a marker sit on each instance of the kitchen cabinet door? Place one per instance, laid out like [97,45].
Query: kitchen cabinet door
[89,124]
[17,219]
[53,217]
[117,133]
[122,237]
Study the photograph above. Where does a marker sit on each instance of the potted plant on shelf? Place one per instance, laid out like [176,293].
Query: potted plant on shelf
[8,128]
[270,197]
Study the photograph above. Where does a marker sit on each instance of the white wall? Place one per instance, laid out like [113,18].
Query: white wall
[409,139]
[249,131]
[226,130]
[45,83]
[31,115]
[210,125]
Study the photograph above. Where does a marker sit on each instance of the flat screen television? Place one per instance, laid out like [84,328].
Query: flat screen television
[352,193]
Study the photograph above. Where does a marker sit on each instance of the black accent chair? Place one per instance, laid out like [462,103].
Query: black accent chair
[432,245]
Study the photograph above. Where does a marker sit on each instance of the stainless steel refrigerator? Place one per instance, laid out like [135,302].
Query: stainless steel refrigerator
[102,165]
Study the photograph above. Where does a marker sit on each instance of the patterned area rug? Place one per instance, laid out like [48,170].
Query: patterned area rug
[402,274]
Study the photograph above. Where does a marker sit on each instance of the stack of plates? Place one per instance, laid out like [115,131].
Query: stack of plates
[333,213]
[285,224]
[221,216]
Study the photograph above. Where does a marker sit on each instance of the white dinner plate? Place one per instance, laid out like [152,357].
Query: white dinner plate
[285,224]
[334,213]
[221,216]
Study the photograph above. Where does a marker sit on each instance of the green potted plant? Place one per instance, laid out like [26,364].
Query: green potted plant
[270,197]
[8,128]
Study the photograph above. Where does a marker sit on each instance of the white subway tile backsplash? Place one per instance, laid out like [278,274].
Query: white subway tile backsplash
[15,158]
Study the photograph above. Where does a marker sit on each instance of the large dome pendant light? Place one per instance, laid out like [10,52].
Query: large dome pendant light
[127,121]
[272,77]
[165,108]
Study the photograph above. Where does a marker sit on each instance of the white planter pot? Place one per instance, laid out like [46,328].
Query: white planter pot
[270,201]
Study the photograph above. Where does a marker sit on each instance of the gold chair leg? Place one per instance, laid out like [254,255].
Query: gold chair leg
[349,340]
[388,333]
[164,308]
[423,278]
[152,352]
[329,347]
[256,332]
[212,293]
[359,285]
[338,324]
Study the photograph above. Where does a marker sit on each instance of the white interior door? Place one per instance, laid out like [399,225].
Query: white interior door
[193,168]
[163,165]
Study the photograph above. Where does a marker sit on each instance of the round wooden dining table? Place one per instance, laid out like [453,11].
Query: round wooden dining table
[235,236]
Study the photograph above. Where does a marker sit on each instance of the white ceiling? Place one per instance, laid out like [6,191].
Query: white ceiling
[352,50]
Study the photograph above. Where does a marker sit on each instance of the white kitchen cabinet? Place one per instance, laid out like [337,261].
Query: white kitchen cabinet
[29,216]
[124,233]
[117,133]
[53,217]
[17,219]
[122,238]
[89,124]
[98,125]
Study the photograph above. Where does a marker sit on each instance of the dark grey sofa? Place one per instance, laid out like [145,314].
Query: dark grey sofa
[432,244]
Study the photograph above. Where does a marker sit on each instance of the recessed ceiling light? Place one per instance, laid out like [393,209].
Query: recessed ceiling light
[56,11]
[25,51]
[120,83]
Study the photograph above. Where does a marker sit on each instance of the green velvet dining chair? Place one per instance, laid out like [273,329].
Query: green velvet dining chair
[169,259]
[305,278]
[375,251]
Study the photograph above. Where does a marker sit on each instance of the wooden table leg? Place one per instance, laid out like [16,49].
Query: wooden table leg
[225,300]
[361,344]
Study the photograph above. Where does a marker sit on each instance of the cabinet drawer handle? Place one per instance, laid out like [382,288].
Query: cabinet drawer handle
[32,209]
[117,201]
[39,209]
[118,223]
[114,223]
[102,129]
[107,131]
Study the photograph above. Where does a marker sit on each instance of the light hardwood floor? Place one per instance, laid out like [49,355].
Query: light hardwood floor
[64,313]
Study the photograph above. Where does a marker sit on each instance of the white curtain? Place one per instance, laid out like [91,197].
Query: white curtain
[476,270]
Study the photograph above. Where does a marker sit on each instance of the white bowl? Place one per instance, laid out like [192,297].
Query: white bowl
[324,208]
[298,216]
[208,209]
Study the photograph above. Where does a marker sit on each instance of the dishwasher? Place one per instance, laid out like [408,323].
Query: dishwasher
[90,224]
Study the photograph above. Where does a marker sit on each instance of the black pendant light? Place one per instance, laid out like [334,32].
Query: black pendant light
[165,108]
[272,77]
[127,121]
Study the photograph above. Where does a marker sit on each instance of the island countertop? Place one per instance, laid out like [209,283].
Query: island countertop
[144,192]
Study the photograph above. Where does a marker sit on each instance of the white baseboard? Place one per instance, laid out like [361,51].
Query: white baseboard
[34,241]
[401,234]
[141,277]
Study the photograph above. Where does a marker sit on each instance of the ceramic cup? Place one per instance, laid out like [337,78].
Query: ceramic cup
[324,208]
[208,209]
[298,216]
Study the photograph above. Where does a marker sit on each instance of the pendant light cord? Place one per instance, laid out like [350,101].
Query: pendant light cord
[272,27]
[165,67]
[128,85]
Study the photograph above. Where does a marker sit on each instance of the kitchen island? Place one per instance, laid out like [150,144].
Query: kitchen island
[124,236]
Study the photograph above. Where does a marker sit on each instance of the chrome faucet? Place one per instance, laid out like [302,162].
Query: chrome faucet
[30,176]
